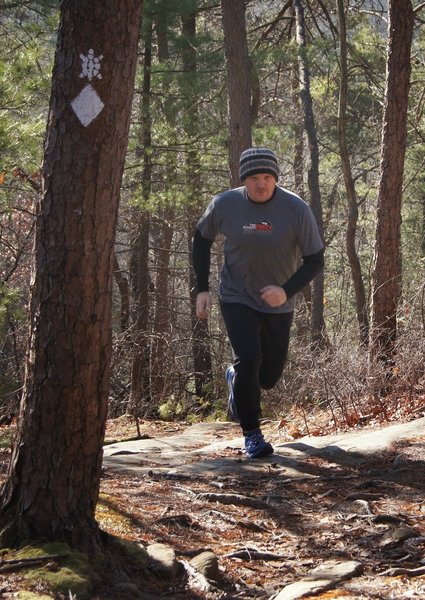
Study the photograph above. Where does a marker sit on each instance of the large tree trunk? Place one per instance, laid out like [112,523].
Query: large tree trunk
[317,299]
[386,277]
[53,481]
[353,212]
[238,83]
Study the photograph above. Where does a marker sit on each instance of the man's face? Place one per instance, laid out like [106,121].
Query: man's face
[260,187]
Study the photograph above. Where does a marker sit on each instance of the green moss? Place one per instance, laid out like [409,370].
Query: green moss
[32,596]
[63,581]
[72,571]
[110,518]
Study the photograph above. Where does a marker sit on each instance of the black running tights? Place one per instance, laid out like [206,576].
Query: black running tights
[260,347]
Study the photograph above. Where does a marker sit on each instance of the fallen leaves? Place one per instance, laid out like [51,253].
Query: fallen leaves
[261,549]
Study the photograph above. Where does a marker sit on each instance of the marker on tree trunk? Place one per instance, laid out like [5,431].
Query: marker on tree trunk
[87,105]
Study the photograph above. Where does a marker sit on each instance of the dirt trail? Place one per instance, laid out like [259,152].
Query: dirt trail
[351,500]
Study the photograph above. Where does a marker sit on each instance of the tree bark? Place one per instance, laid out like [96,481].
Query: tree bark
[423,226]
[124,290]
[298,159]
[53,481]
[238,83]
[353,212]
[303,308]
[139,277]
[139,400]
[201,347]
[162,327]
[317,309]
[162,234]
[386,276]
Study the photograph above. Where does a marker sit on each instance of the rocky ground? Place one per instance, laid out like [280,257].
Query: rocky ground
[337,528]
[327,523]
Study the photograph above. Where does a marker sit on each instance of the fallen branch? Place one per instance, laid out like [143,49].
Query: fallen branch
[252,554]
[394,572]
[236,499]
[23,563]
[251,525]
[182,520]
[387,519]
[185,490]
[363,496]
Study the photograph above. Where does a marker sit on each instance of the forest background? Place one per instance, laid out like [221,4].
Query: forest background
[165,362]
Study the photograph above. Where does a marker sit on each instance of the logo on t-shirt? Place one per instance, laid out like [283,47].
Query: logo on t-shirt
[260,228]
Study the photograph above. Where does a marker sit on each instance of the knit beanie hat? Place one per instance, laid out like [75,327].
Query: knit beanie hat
[258,160]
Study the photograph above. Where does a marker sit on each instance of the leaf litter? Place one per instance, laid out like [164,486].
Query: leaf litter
[269,530]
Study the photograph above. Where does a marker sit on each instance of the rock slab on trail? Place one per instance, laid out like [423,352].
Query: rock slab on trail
[321,579]
[204,448]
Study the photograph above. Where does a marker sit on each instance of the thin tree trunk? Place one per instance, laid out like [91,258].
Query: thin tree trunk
[238,83]
[386,277]
[303,310]
[298,160]
[124,289]
[317,311]
[161,327]
[423,226]
[53,480]
[139,400]
[201,348]
[162,236]
[353,212]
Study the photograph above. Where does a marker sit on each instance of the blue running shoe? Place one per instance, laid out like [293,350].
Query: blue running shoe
[232,413]
[255,444]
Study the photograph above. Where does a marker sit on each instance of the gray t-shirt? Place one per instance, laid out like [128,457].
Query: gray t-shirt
[262,243]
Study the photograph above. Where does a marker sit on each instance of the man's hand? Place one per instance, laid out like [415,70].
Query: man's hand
[274,295]
[203,305]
